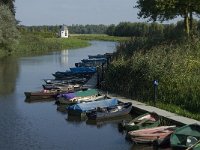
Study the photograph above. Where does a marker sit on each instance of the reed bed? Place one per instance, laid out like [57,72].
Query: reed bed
[176,66]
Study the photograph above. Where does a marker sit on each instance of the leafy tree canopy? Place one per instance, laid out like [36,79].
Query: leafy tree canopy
[162,10]
[8,29]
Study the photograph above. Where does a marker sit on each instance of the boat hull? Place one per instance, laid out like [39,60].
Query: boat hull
[119,110]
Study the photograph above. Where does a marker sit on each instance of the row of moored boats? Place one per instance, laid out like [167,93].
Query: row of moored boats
[71,94]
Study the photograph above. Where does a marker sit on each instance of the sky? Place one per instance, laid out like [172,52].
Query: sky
[57,12]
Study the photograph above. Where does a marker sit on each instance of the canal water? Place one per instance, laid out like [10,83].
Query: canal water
[39,126]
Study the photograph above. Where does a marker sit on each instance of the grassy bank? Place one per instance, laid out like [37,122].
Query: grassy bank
[176,66]
[37,44]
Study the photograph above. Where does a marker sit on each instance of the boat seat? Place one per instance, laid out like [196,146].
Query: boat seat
[191,140]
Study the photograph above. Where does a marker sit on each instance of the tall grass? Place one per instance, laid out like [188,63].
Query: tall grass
[176,67]
[35,43]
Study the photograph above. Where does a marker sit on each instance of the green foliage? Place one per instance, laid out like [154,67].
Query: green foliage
[8,31]
[175,65]
[9,4]
[73,29]
[155,30]
[33,43]
[169,9]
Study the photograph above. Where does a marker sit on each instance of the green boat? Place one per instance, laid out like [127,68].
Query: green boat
[185,137]
[197,147]
[147,120]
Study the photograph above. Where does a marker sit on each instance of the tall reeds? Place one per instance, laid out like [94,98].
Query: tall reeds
[175,65]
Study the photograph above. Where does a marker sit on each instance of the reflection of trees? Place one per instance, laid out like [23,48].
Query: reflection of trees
[8,72]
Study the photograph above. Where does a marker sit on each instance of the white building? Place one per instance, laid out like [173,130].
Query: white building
[64,33]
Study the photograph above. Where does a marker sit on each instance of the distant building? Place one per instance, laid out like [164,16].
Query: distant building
[64,33]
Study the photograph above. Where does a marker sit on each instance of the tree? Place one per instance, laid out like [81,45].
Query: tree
[162,10]
[8,29]
[10,4]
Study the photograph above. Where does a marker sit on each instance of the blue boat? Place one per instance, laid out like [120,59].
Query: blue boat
[82,108]
[95,60]
[84,70]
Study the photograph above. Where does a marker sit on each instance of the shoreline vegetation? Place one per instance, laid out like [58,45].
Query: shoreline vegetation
[175,64]
[36,43]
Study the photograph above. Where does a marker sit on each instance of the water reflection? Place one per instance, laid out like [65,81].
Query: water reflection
[101,123]
[9,69]
[147,147]
[64,57]
[75,119]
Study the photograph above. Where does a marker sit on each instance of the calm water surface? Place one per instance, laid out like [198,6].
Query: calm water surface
[39,126]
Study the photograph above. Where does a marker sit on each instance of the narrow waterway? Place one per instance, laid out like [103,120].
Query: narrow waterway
[39,126]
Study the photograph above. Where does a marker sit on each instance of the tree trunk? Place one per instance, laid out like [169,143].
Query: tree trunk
[191,21]
[186,22]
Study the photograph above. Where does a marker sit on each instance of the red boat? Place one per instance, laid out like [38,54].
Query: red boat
[158,135]
[43,95]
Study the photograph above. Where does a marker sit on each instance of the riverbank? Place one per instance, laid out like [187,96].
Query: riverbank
[40,43]
[37,44]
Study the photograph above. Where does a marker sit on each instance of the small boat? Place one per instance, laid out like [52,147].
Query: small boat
[185,136]
[147,120]
[69,81]
[97,56]
[83,70]
[98,61]
[159,135]
[54,81]
[62,87]
[101,113]
[78,96]
[76,100]
[63,104]
[41,95]
[61,76]
[80,109]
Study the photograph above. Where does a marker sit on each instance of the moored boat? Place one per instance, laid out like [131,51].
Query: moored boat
[78,96]
[110,111]
[42,95]
[81,108]
[67,81]
[159,135]
[63,104]
[147,120]
[185,136]
[95,61]
[76,100]
[97,56]
[83,70]
[62,87]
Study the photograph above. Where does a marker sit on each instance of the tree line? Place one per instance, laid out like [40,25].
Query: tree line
[137,29]
[73,29]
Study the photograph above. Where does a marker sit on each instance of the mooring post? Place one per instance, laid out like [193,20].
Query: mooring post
[98,77]
[155,85]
